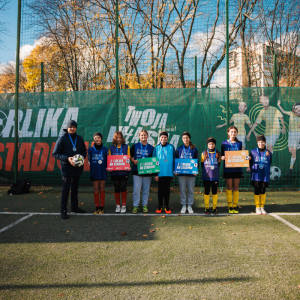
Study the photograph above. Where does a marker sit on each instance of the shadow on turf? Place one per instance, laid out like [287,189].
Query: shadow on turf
[120,284]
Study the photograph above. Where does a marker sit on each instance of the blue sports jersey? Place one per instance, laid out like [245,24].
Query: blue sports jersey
[257,159]
[141,151]
[166,157]
[98,162]
[207,172]
[226,146]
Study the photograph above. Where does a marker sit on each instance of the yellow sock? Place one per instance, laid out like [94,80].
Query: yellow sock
[262,200]
[257,200]
[229,197]
[215,200]
[236,196]
[206,201]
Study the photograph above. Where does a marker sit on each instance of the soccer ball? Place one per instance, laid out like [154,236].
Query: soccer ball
[275,173]
[78,160]
[3,119]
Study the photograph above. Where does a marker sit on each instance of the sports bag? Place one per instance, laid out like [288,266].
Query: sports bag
[20,187]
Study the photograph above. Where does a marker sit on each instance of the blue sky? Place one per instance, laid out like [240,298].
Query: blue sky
[8,50]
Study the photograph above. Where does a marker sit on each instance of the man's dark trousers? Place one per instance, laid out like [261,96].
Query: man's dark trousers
[68,181]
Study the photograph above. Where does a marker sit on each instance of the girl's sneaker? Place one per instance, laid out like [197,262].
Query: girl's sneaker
[190,210]
[263,211]
[230,210]
[101,210]
[118,209]
[167,210]
[207,211]
[215,211]
[235,210]
[123,210]
[96,212]
[145,208]
[159,210]
[135,210]
[183,210]
[258,211]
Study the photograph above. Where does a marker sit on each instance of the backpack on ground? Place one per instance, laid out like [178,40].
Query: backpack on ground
[20,187]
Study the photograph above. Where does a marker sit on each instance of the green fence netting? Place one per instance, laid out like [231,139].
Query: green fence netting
[201,112]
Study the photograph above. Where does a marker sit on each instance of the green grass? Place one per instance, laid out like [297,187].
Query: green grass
[86,257]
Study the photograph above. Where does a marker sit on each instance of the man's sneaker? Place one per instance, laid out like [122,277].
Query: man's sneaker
[123,209]
[183,210]
[190,210]
[263,211]
[230,210]
[118,209]
[101,210]
[135,210]
[167,210]
[215,211]
[258,210]
[235,210]
[145,208]
[159,210]
[207,211]
[97,209]
[64,215]
[78,211]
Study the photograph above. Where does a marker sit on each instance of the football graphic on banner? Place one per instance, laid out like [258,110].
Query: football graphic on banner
[275,173]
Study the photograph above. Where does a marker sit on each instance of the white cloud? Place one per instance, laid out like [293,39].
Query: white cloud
[26,49]
[219,78]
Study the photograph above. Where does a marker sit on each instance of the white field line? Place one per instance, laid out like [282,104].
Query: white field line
[143,214]
[15,223]
[286,222]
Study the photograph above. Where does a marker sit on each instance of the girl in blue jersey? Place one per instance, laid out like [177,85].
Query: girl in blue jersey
[189,151]
[166,154]
[210,162]
[137,152]
[232,175]
[260,163]
[119,178]
[97,157]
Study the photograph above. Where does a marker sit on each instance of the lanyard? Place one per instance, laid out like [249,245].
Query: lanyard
[144,150]
[235,147]
[186,153]
[263,159]
[118,150]
[97,151]
[212,160]
[165,152]
[74,144]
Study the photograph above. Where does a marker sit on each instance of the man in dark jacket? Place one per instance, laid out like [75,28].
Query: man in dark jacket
[65,148]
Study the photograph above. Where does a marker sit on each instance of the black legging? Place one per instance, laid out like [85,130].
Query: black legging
[213,184]
[259,187]
[119,183]
[164,191]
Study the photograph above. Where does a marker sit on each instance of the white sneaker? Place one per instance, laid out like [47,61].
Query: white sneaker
[263,211]
[190,210]
[118,209]
[183,210]
[123,210]
[258,211]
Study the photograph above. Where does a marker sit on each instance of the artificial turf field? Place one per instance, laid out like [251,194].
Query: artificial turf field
[146,256]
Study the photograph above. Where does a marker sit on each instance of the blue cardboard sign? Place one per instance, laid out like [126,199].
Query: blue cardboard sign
[186,166]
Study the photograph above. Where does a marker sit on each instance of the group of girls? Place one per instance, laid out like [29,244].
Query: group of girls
[260,162]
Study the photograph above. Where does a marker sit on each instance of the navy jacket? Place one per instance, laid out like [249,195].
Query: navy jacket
[64,149]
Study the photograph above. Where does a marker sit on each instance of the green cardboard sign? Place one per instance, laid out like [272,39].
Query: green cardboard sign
[148,165]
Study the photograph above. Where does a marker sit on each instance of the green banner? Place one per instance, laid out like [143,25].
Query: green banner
[273,111]
[148,165]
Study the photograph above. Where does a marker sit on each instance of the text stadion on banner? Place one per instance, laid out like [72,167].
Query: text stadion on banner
[148,165]
[237,159]
[118,163]
[186,166]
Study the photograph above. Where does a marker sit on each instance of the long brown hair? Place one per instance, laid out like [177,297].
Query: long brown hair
[232,127]
[114,141]
[218,154]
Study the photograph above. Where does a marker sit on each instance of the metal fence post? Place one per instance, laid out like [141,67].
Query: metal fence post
[227,61]
[117,64]
[274,71]
[17,92]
